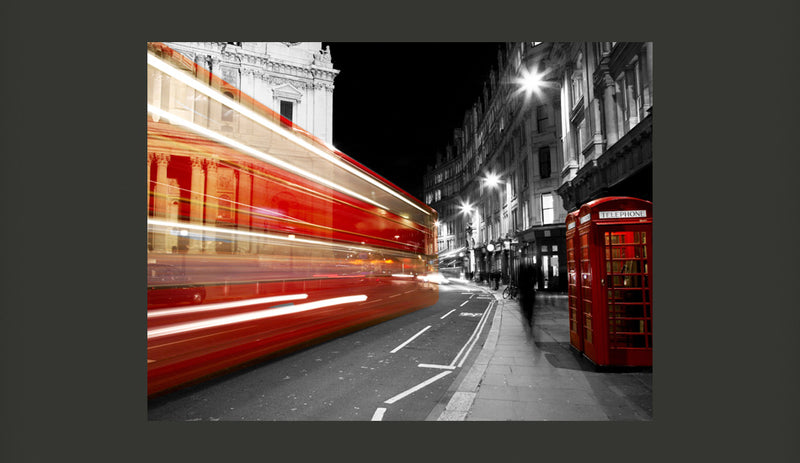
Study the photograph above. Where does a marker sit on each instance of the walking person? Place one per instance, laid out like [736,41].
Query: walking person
[527,292]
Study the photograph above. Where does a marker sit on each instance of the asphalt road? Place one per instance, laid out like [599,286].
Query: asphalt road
[398,370]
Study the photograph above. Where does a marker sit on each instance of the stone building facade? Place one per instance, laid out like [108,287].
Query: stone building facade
[294,79]
[607,100]
[524,158]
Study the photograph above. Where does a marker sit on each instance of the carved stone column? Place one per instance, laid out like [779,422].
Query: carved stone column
[149,163]
[612,133]
[211,203]
[243,205]
[160,201]
[196,200]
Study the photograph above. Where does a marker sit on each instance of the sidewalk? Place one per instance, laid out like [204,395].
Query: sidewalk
[535,375]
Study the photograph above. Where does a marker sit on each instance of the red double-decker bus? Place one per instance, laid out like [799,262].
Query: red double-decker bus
[261,238]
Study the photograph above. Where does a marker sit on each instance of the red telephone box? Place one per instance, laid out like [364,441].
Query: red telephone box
[573,260]
[613,250]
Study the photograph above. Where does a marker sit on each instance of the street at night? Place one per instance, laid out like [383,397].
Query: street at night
[264,238]
[398,370]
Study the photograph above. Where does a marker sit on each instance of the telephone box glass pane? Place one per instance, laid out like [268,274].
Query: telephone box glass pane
[628,291]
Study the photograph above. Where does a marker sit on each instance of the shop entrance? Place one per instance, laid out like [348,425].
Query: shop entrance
[549,272]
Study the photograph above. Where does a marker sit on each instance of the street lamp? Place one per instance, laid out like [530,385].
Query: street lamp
[492,180]
[467,209]
[532,81]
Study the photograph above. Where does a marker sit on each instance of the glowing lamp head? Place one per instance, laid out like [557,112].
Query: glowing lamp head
[532,81]
[492,179]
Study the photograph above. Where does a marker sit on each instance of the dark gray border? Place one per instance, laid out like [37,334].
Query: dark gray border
[72,320]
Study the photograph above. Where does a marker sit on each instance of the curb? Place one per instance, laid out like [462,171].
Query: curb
[460,403]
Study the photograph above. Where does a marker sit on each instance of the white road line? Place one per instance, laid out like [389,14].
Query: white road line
[410,339]
[472,339]
[378,416]
[417,387]
[448,313]
[439,367]
[462,305]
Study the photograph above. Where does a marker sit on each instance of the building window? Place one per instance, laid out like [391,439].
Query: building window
[514,221]
[577,80]
[633,96]
[544,162]
[526,216]
[227,113]
[547,208]
[513,184]
[286,109]
[524,172]
[541,118]
[579,133]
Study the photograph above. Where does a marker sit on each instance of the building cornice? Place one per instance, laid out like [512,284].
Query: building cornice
[260,65]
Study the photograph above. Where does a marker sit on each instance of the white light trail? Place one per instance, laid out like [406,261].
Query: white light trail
[260,314]
[258,154]
[255,117]
[191,226]
[225,305]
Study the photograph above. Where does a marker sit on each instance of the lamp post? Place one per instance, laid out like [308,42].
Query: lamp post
[493,180]
[469,267]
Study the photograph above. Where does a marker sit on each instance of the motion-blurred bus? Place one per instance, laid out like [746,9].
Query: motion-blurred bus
[262,239]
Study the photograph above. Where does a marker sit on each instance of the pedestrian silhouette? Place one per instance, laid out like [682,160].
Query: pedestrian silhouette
[527,292]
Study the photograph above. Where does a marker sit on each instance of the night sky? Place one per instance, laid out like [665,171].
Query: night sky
[395,105]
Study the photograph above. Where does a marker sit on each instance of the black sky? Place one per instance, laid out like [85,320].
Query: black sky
[395,105]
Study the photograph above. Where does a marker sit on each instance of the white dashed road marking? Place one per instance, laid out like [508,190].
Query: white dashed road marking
[418,387]
[378,416]
[410,339]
